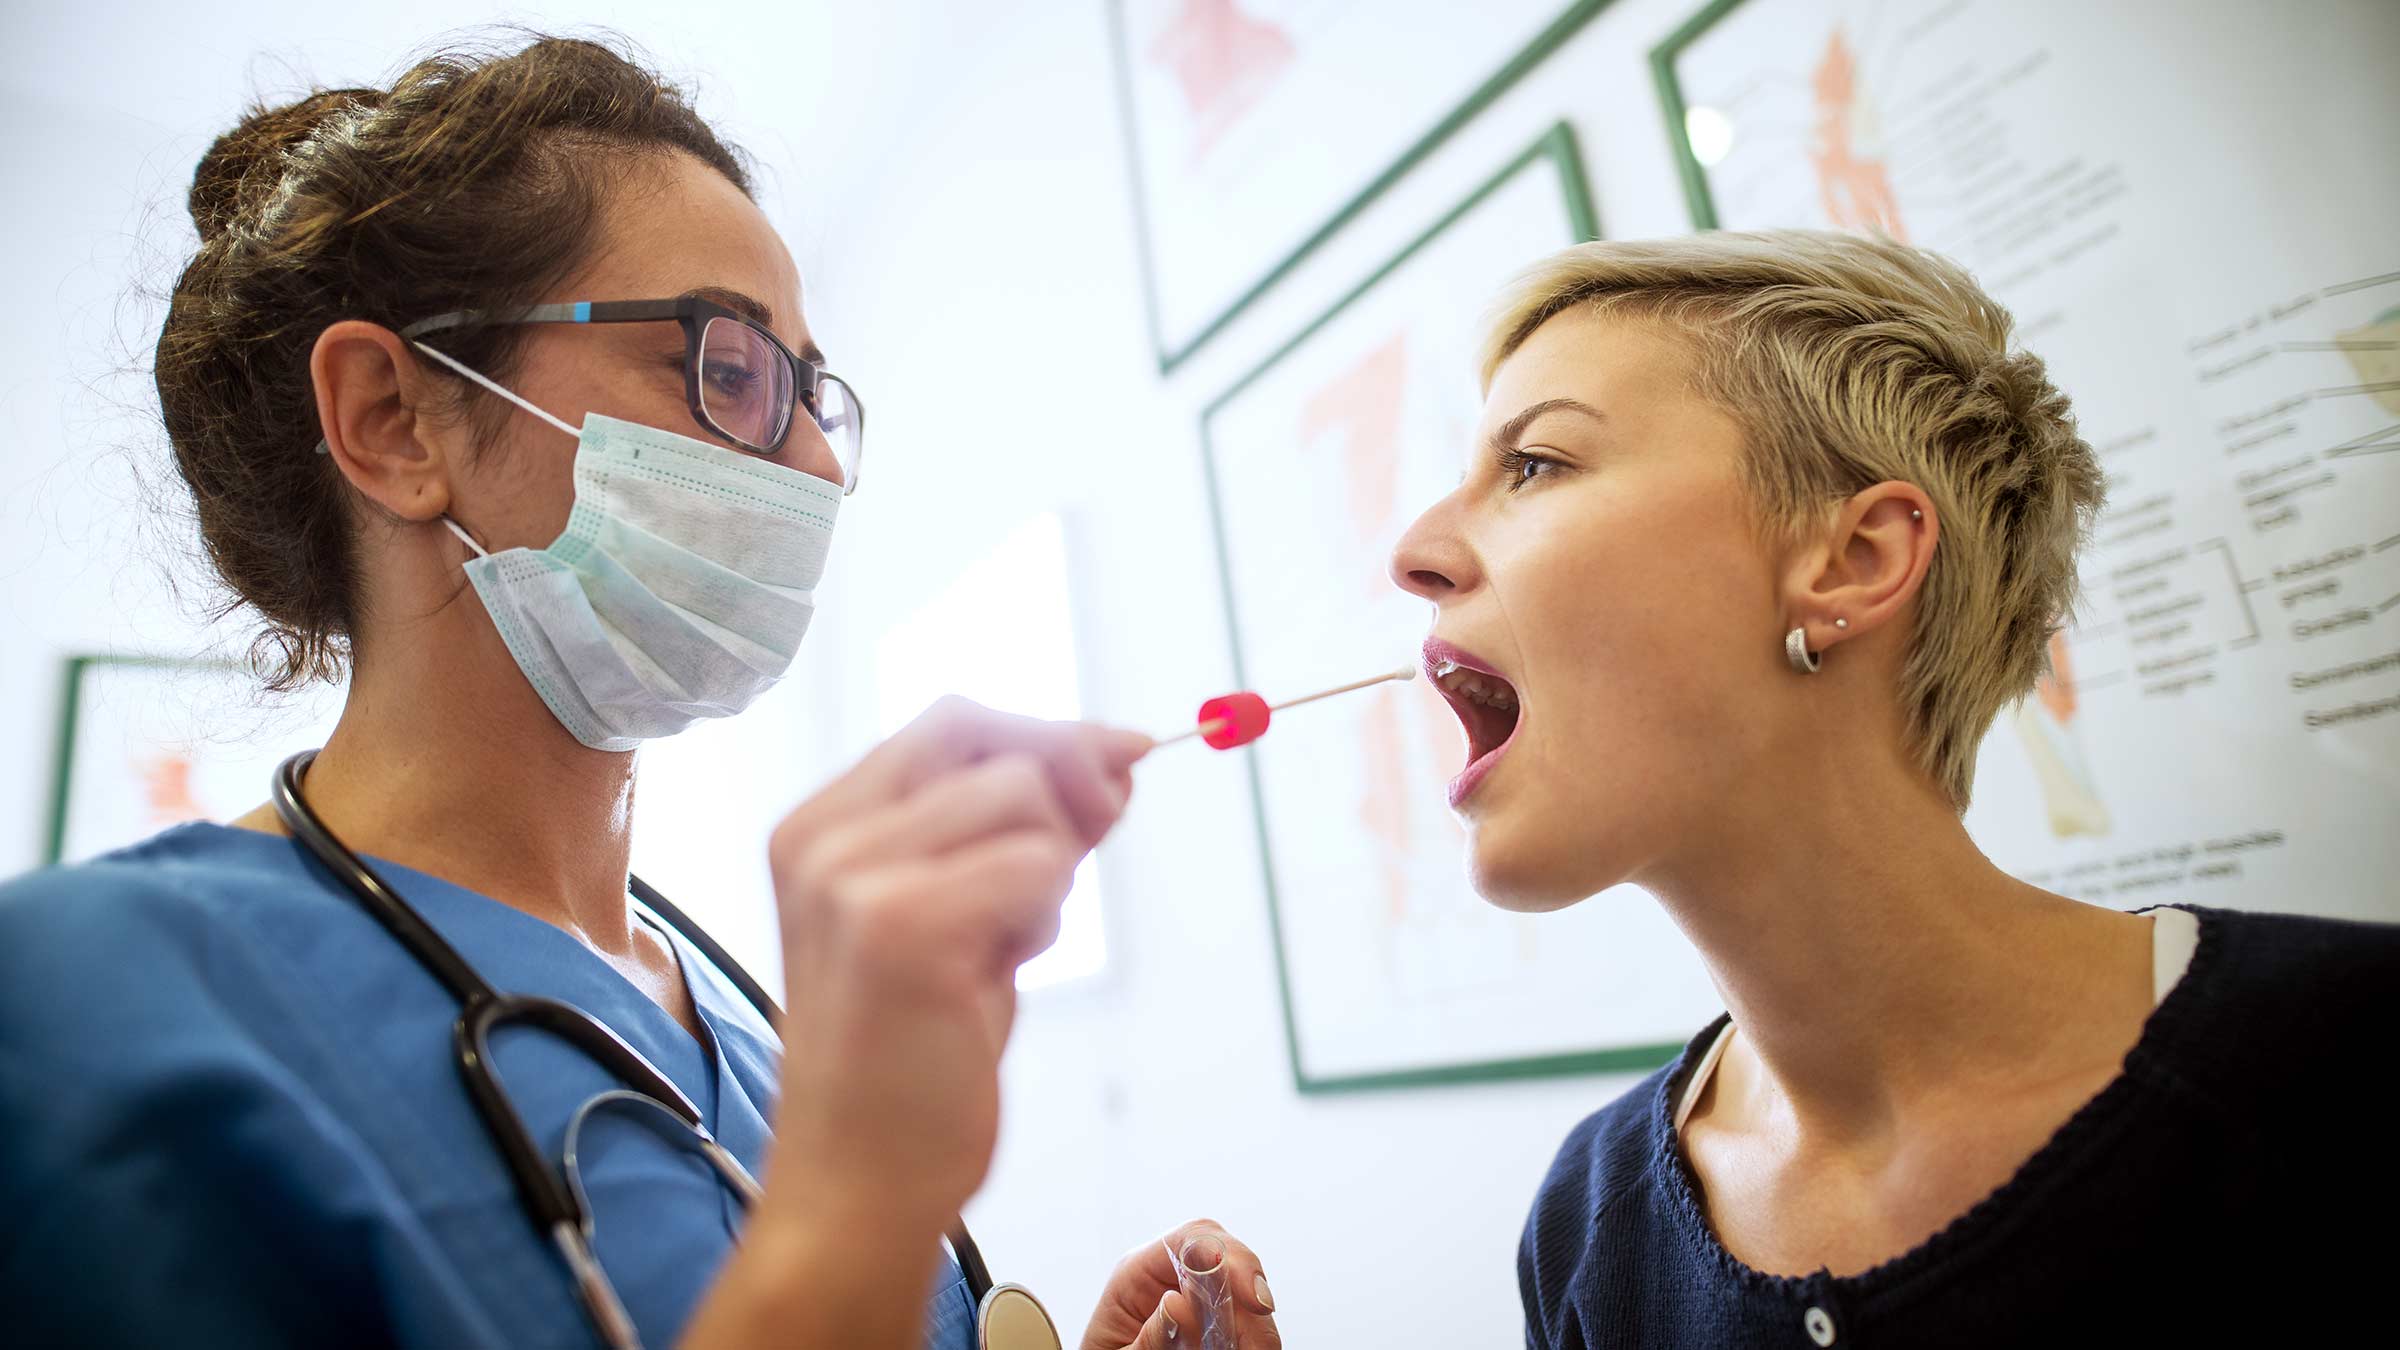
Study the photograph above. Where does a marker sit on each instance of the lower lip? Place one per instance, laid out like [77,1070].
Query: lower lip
[1473,775]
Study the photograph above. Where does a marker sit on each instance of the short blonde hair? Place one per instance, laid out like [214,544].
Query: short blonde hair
[1849,360]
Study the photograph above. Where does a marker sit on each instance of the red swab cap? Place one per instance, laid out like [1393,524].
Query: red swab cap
[1241,718]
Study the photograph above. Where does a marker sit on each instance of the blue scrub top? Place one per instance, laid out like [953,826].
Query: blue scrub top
[230,1115]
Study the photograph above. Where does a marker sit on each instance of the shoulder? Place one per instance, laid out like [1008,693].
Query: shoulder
[171,958]
[2308,971]
[182,868]
[51,917]
[163,901]
[1601,1194]
[2279,1000]
[2345,949]
[153,954]
[1607,1156]
[153,1122]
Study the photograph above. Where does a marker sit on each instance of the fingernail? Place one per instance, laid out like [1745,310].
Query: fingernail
[1171,1327]
[1265,1299]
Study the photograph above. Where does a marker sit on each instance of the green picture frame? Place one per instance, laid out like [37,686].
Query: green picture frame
[1570,19]
[70,714]
[203,736]
[1556,147]
[1673,108]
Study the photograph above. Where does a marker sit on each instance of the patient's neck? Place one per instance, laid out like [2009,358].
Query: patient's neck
[1871,955]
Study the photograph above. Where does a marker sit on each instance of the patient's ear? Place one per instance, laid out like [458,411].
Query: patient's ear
[370,389]
[1866,567]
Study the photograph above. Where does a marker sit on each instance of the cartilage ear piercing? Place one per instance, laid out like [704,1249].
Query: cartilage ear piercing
[1841,623]
[1916,515]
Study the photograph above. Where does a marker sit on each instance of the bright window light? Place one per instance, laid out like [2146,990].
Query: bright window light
[1710,133]
[1003,635]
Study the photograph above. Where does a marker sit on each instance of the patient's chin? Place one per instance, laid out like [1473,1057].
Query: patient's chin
[1526,880]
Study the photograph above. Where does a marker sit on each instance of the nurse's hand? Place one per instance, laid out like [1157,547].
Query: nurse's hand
[1142,1298]
[910,890]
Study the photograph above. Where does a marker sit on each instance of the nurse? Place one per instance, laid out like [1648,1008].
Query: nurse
[493,392]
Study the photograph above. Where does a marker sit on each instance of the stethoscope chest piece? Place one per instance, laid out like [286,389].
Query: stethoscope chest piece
[1011,1318]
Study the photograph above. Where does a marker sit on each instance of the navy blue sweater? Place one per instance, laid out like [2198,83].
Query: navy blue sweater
[2238,1179]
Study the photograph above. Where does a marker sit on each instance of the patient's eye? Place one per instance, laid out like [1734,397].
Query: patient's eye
[1519,467]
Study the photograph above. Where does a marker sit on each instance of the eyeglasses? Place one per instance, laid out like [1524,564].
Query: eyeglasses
[742,383]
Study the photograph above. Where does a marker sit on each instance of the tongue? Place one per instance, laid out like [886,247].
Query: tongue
[1488,728]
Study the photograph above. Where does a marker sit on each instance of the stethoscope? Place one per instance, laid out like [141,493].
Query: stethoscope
[1007,1316]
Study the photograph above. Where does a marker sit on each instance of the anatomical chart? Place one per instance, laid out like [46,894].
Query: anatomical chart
[2193,224]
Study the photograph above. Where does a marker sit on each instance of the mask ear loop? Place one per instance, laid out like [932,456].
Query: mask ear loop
[480,378]
[464,537]
[494,385]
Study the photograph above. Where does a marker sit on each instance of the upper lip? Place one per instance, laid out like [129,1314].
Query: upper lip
[1439,653]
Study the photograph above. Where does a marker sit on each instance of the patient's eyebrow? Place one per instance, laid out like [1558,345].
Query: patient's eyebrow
[1505,438]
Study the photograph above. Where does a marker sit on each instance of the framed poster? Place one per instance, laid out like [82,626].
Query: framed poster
[2191,247]
[1393,972]
[147,742]
[1258,128]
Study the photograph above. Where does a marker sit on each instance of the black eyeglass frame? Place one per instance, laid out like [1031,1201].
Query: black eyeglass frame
[694,314]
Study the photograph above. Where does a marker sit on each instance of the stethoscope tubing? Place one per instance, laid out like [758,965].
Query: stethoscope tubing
[556,1207]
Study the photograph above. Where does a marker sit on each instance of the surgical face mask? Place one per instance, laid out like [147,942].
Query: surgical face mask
[679,590]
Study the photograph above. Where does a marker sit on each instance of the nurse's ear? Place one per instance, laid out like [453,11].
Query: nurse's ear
[372,399]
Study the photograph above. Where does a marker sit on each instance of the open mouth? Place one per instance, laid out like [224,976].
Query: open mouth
[1486,705]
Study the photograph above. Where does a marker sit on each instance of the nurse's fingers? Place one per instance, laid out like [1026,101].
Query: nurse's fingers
[1172,1325]
[999,896]
[1004,793]
[928,938]
[1245,1274]
[1089,766]
[957,921]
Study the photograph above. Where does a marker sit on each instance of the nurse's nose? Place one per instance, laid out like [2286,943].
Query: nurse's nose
[807,450]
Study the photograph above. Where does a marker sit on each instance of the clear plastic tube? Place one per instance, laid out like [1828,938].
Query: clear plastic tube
[1200,1269]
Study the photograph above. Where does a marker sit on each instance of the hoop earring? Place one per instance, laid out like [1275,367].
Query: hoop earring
[1795,650]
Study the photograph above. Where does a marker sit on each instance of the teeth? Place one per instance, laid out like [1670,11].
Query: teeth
[1475,686]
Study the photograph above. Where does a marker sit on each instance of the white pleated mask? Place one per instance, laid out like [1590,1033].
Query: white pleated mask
[679,590]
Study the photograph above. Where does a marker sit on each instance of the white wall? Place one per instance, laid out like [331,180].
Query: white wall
[951,178]
[1008,266]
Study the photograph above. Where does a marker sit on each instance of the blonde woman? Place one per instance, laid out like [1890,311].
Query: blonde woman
[1763,532]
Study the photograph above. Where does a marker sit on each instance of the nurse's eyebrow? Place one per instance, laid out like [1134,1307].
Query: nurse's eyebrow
[1506,437]
[751,308]
[755,310]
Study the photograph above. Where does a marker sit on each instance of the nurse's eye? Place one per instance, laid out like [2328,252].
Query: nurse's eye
[1519,467]
[729,379]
